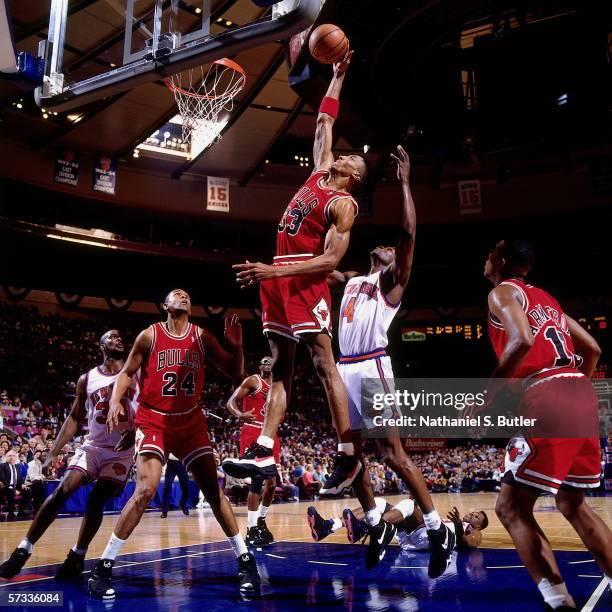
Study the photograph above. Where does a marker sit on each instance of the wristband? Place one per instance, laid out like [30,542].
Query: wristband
[331,106]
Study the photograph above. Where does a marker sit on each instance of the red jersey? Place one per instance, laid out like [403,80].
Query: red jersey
[256,402]
[172,375]
[306,220]
[553,349]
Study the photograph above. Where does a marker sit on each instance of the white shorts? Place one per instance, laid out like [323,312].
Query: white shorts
[363,380]
[99,463]
[417,539]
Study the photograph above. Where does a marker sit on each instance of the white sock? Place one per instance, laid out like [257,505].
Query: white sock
[406,507]
[372,517]
[252,518]
[337,525]
[263,510]
[346,447]
[432,520]
[113,548]
[79,551]
[25,543]
[237,544]
[265,441]
[555,595]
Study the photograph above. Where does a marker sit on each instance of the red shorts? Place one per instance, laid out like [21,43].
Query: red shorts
[183,435]
[249,435]
[295,305]
[548,463]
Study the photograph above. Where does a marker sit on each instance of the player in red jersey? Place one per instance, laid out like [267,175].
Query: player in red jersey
[312,238]
[554,357]
[170,356]
[252,393]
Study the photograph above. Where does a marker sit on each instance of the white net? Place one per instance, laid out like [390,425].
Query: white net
[203,94]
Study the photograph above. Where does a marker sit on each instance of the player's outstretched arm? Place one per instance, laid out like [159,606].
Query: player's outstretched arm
[231,361]
[342,213]
[395,280]
[337,278]
[137,355]
[586,346]
[72,422]
[248,385]
[322,154]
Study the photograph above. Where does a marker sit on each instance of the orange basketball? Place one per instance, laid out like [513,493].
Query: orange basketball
[328,43]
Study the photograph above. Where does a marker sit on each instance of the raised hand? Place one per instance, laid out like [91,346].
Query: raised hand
[342,66]
[233,331]
[403,164]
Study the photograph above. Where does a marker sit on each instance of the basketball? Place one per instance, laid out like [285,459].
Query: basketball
[328,44]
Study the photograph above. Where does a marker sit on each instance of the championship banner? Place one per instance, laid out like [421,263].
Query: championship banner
[105,175]
[217,195]
[469,197]
[67,164]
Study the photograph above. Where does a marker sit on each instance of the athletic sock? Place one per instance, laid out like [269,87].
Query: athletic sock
[113,547]
[336,524]
[372,517]
[405,507]
[237,544]
[252,518]
[265,441]
[79,551]
[263,510]
[346,447]
[555,595]
[25,543]
[432,520]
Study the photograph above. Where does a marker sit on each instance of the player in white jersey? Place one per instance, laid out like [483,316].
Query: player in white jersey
[369,304]
[95,461]
[408,519]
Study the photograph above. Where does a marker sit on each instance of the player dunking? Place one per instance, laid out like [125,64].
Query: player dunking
[170,356]
[312,238]
[252,393]
[369,305]
[95,461]
[553,356]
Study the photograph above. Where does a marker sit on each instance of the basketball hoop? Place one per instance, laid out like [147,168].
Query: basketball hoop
[201,95]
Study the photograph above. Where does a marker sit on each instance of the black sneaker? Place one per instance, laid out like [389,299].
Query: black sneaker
[72,567]
[441,545]
[319,527]
[99,584]
[164,515]
[355,529]
[380,536]
[257,461]
[264,531]
[185,510]
[250,582]
[14,564]
[346,468]
[254,537]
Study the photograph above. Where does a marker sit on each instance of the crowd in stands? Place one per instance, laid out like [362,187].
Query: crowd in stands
[42,356]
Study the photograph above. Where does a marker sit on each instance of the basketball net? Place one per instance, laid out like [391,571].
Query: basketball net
[202,95]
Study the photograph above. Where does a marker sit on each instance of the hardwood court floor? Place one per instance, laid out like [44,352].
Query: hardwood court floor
[181,559]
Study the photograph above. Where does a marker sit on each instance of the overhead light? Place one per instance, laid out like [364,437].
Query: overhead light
[80,241]
[55,113]
[301,164]
[306,158]
[268,106]
[113,65]
[220,20]
[74,117]
[366,148]
[19,105]
[45,116]
[198,10]
[267,161]
[301,159]
[136,153]
[296,157]
[562,99]
[228,23]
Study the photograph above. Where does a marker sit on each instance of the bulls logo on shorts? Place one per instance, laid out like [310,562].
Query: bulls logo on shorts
[119,469]
[321,313]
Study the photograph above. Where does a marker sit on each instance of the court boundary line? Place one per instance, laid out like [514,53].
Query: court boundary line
[589,606]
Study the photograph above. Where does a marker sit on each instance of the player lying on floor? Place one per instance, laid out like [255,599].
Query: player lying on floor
[408,518]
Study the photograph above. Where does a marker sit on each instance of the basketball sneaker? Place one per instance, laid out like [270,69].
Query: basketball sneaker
[250,582]
[380,536]
[355,529]
[14,564]
[257,461]
[264,531]
[254,537]
[72,567]
[346,468]
[320,528]
[99,584]
[441,545]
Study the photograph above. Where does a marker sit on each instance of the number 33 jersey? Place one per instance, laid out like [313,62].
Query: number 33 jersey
[553,349]
[172,375]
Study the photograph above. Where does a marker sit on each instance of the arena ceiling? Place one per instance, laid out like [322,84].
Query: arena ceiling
[493,83]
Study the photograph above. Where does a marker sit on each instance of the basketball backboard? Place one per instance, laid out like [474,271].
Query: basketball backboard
[137,41]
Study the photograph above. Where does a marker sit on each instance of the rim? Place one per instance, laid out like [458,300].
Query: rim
[224,61]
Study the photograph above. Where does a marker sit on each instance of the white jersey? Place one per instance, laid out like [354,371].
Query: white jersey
[99,391]
[418,540]
[365,316]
